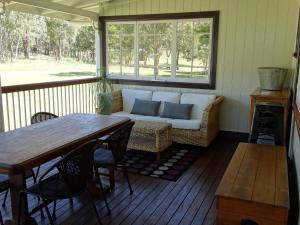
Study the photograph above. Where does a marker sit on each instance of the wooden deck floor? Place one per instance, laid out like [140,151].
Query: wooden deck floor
[190,200]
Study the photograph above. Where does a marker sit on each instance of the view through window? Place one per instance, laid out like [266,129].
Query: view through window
[35,49]
[176,50]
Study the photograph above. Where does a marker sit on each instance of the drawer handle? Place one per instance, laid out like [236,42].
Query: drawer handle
[248,222]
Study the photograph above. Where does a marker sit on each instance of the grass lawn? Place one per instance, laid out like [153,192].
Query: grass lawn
[43,69]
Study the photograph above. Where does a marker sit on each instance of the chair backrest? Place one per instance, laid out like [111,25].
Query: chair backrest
[118,140]
[42,116]
[76,167]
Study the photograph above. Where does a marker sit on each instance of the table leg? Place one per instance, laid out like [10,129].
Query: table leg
[17,183]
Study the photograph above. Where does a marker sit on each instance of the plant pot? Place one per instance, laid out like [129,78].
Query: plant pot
[272,78]
[104,104]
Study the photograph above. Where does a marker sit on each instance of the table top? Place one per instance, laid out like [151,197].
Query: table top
[27,147]
[257,173]
[284,93]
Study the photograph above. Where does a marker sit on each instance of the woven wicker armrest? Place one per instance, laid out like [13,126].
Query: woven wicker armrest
[211,113]
[117,105]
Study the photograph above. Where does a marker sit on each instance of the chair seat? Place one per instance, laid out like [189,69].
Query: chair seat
[103,157]
[4,183]
[53,187]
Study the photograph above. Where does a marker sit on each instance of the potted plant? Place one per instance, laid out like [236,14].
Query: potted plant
[104,89]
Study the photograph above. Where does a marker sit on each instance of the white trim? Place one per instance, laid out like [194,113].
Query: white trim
[1,110]
[60,8]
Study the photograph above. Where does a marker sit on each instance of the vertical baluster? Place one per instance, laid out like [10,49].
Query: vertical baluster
[57,102]
[61,101]
[34,99]
[19,108]
[77,97]
[80,98]
[44,97]
[29,97]
[53,102]
[25,108]
[89,97]
[73,100]
[86,98]
[13,107]
[66,105]
[7,112]
[40,101]
[49,101]
[69,96]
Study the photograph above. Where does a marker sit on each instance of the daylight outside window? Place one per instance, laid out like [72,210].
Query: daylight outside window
[35,49]
[160,50]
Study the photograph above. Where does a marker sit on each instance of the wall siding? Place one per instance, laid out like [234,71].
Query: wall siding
[253,33]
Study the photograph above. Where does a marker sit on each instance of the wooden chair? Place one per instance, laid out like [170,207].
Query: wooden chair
[75,171]
[42,116]
[112,157]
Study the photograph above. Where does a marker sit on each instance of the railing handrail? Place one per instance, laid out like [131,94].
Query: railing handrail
[51,84]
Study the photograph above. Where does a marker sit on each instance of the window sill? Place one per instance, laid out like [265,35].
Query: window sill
[164,83]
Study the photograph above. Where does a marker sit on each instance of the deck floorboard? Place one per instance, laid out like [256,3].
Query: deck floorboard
[189,200]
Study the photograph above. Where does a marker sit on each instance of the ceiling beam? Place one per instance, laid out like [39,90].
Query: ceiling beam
[59,8]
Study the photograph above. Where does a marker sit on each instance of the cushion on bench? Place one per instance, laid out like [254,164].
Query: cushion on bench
[200,102]
[140,117]
[129,96]
[193,124]
[164,96]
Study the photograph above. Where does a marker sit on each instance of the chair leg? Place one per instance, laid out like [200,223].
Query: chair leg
[94,207]
[111,177]
[127,178]
[54,210]
[71,202]
[1,219]
[102,189]
[5,197]
[48,212]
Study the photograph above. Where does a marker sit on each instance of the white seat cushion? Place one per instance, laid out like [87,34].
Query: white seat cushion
[164,96]
[200,102]
[140,117]
[129,96]
[193,124]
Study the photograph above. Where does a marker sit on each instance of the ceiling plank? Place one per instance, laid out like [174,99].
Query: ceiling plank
[59,8]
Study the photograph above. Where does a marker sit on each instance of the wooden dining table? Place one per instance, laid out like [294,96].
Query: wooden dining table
[26,148]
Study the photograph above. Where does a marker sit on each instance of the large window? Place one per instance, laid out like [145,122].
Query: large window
[176,51]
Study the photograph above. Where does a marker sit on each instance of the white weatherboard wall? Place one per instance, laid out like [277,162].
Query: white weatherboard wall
[253,33]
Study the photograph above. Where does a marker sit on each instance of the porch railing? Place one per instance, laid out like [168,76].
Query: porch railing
[20,102]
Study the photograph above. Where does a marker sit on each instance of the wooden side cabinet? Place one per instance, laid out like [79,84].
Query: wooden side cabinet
[255,187]
[282,97]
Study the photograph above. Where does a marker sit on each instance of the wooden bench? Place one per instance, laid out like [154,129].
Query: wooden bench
[255,187]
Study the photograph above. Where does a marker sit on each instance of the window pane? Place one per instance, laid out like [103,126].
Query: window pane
[127,28]
[120,46]
[184,49]
[114,63]
[155,49]
[114,29]
[202,32]
[128,63]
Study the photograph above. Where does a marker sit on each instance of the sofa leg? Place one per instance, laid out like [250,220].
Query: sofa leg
[158,156]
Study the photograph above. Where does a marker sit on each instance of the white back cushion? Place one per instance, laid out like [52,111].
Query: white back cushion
[200,102]
[164,96]
[129,96]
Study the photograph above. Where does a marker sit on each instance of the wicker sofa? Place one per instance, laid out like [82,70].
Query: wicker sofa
[200,133]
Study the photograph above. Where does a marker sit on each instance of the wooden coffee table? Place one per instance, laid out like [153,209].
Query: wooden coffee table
[151,137]
[255,187]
